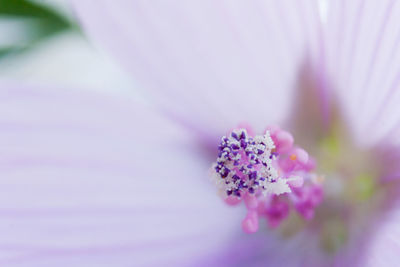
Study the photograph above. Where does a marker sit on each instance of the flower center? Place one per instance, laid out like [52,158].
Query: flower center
[355,197]
[269,173]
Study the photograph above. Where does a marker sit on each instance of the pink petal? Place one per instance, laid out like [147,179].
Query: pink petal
[362,59]
[211,65]
[94,180]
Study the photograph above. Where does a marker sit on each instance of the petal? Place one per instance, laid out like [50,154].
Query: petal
[362,60]
[385,246]
[93,180]
[210,65]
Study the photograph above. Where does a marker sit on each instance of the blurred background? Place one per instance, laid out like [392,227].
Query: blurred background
[41,43]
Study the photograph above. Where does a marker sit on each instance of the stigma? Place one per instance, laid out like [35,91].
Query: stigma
[269,174]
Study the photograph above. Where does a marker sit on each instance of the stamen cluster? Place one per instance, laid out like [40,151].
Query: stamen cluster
[267,173]
[244,165]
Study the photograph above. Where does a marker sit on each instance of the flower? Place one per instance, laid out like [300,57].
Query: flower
[115,183]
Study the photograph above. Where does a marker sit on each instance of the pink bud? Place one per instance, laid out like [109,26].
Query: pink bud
[250,223]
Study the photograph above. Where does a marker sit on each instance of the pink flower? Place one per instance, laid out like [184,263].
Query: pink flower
[96,181]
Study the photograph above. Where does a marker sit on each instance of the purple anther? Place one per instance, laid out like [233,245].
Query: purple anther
[243,144]
[235,147]
[234,135]
[225,172]
[253,175]
[235,177]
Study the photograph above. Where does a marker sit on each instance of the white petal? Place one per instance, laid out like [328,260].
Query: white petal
[385,243]
[91,180]
[211,65]
[362,60]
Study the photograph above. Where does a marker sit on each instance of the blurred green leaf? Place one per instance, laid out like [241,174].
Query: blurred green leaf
[40,22]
